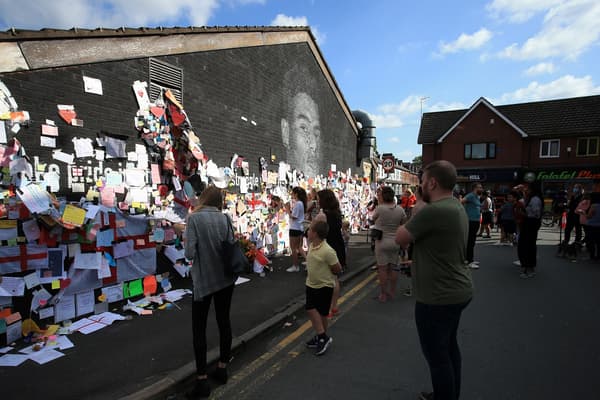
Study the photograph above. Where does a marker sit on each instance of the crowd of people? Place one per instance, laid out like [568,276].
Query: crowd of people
[428,230]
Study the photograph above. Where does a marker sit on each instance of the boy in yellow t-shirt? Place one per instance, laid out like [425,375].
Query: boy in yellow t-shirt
[321,264]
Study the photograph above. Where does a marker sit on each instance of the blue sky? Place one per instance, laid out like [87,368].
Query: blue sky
[391,58]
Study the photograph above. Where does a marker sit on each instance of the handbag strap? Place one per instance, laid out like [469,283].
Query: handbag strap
[229,228]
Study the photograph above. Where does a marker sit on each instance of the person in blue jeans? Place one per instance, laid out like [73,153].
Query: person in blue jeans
[473,208]
[442,282]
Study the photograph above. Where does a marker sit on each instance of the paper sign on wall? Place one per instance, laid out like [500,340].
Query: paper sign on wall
[92,85]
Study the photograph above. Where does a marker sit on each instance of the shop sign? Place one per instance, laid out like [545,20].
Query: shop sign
[567,175]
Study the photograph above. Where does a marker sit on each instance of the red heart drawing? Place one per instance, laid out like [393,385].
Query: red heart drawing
[67,115]
[158,112]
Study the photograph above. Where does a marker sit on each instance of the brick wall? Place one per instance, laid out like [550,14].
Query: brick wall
[220,87]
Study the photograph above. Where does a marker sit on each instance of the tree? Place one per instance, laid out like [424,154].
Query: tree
[418,160]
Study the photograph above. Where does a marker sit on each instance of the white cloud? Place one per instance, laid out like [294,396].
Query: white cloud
[441,106]
[466,42]
[540,69]
[386,120]
[393,115]
[569,29]
[285,20]
[408,106]
[564,87]
[34,14]
[519,10]
[394,139]
[408,111]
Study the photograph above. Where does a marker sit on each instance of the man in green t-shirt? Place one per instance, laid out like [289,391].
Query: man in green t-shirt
[441,279]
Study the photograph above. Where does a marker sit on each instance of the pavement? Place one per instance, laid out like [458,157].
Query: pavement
[142,357]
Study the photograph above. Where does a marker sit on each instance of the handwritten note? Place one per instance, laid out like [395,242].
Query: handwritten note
[87,260]
[105,237]
[113,293]
[123,249]
[64,309]
[35,198]
[74,215]
[84,303]
[12,286]
[31,280]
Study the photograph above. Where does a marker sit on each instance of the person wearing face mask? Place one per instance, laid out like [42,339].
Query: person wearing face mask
[472,206]
[572,216]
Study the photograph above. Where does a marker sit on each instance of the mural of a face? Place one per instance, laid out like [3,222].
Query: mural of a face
[302,135]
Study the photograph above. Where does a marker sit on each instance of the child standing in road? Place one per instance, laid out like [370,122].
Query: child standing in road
[322,263]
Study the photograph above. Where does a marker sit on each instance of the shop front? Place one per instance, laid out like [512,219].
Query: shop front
[498,181]
[553,180]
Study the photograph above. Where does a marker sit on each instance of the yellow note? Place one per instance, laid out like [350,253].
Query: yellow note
[41,167]
[73,215]
[8,223]
[56,284]
[136,204]
[91,195]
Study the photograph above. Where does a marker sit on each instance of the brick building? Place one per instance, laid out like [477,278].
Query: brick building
[555,142]
[232,81]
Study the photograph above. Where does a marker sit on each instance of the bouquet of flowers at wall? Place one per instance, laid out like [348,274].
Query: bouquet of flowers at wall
[248,247]
[256,256]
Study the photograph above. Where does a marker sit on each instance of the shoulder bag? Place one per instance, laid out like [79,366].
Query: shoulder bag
[234,259]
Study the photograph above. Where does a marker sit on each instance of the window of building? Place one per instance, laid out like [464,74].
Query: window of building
[549,148]
[480,151]
[165,76]
[587,146]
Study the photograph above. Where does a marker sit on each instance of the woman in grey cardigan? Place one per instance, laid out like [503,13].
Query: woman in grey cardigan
[207,227]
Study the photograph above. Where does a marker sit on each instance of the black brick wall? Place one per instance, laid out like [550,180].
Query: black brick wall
[219,88]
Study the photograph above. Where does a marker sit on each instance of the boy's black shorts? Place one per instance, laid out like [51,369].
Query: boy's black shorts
[319,299]
[295,233]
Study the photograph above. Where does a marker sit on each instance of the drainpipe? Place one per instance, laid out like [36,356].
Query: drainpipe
[366,137]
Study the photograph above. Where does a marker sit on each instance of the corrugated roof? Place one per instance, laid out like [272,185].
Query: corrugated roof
[572,116]
[51,33]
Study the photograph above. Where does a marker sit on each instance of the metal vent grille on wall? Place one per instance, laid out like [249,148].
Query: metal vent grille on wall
[165,76]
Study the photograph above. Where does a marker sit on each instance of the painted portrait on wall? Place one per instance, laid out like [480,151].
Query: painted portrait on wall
[301,122]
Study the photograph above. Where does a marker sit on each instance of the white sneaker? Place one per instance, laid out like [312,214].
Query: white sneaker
[293,268]
[474,265]
[476,262]
[517,263]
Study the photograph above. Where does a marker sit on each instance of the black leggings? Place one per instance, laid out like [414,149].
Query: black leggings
[526,246]
[199,318]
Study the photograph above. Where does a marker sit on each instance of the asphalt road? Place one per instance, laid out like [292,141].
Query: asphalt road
[520,339]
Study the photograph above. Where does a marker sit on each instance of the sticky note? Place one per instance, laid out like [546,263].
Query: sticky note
[74,215]
[56,284]
[150,285]
[136,288]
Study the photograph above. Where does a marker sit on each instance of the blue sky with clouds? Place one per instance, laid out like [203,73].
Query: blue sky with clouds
[390,58]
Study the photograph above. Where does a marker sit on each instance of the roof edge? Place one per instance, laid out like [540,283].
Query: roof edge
[16,34]
[482,100]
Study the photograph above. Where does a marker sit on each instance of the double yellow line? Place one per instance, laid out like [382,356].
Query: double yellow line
[259,363]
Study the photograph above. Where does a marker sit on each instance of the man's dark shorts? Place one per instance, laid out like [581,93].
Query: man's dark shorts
[319,299]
